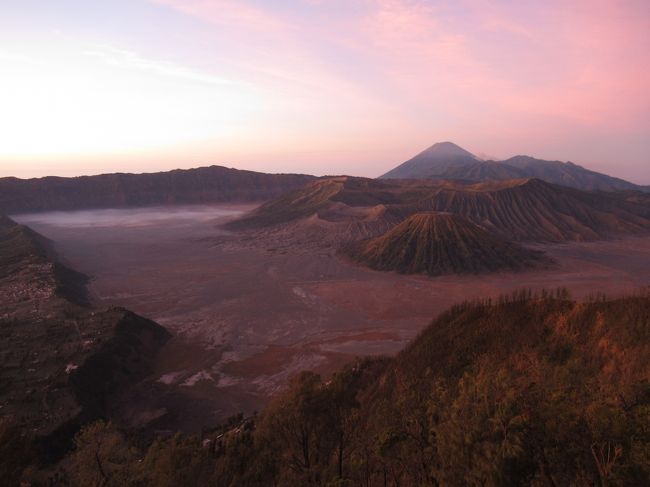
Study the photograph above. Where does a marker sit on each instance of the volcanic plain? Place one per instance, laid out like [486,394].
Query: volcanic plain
[246,316]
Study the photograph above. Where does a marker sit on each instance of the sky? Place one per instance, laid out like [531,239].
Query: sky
[320,86]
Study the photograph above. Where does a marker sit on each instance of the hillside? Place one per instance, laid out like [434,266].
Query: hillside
[441,243]
[485,171]
[455,163]
[568,174]
[214,184]
[556,172]
[328,230]
[432,162]
[640,199]
[297,204]
[28,260]
[526,390]
[522,210]
[542,390]
[533,210]
[61,361]
[325,196]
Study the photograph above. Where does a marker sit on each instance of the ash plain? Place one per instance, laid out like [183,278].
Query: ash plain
[245,318]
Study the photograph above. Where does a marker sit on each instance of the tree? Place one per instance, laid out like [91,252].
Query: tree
[15,451]
[294,425]
[177,461]
[101,458]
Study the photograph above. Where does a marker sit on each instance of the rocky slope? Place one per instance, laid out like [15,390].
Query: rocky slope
[336,210]
[61,362]
[214,184]
[326,196]
[533,210]
[442,243]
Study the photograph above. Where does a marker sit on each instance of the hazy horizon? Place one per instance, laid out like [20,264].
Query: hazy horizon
[190,166]
[320,87]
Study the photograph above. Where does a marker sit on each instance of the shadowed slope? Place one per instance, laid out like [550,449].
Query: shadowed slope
[19,246]
[61,364]
[26,256]
[437,243]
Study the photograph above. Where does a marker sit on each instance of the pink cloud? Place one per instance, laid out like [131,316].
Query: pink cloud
[231,13]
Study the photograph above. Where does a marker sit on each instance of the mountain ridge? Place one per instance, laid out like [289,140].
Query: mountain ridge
[463,168]
[521,210]
[210,184]
[534,210]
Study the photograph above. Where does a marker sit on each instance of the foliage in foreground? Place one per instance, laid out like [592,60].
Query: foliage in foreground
[529,390]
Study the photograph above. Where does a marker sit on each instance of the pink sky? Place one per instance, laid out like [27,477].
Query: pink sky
[321,86]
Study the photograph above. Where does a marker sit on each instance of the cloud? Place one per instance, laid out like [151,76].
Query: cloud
[131,60]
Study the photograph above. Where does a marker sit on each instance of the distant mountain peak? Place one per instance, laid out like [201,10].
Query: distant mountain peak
[433,161]
[447,149]
[446,160]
